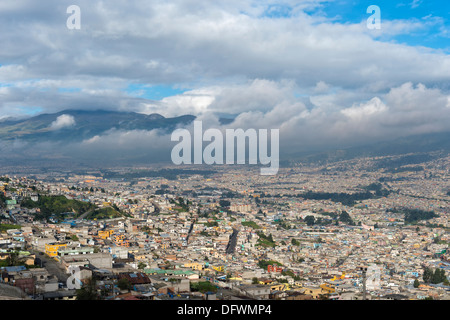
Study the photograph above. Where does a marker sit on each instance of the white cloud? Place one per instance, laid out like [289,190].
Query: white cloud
[63,121]
[319,81]
[357,113]
[415,3]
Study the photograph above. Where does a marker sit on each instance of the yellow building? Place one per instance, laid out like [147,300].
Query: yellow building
[105,234]
[52,249]
[194,266]
[140,256]
[279,287]
[327,288]
[315,292]
[218,268]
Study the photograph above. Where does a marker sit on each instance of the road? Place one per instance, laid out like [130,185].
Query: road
[51,265]
[85,214]
[232,243]
[190,231]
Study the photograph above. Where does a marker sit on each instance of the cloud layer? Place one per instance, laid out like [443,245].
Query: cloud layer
[323,83]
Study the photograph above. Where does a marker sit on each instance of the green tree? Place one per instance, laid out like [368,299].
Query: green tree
[427,274]
[203,286]
[345,218]
[13,259]
[438,276]
[416,283]
[310,220]
[255,280]
[124,284]
[88,291]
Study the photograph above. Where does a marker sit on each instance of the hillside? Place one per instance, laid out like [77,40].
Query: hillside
[84,124]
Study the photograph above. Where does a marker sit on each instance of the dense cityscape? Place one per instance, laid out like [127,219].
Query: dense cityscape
[348,230]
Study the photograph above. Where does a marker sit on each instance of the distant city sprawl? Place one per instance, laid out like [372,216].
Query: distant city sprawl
[344,230]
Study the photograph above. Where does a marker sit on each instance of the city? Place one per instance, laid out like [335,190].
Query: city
[218,159]
[347,230]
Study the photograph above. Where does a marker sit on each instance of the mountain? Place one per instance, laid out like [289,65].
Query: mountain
[65,137]
[78,125]
[418,144]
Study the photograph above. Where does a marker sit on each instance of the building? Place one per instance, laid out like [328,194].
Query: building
[135,278]
[105,234]
[75,251]
[255,291]
[51,249]
[98,260]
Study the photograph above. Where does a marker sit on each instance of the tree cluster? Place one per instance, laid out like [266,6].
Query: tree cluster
[438,276]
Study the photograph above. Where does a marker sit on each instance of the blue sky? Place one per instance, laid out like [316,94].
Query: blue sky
[430,16]
[433,14]
[155,92]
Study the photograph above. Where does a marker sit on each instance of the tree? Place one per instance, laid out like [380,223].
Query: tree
[141,265]
[255,280]
[416,283]
[438,276]
[345,218]
[14,258]
[88,291]
[224,203]
[310,220]
[203,286]
[427,274]
[124,284]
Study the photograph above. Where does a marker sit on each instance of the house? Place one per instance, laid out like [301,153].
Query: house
[60,295]
[27,285]
[135,278]
[194,266]
[98,260]
[295,295]
[51,249]
[315,292]
[255,291]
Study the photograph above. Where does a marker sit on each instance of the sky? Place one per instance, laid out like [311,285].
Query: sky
[311,68]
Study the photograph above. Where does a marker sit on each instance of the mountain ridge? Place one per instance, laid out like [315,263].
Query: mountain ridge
[85,124]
